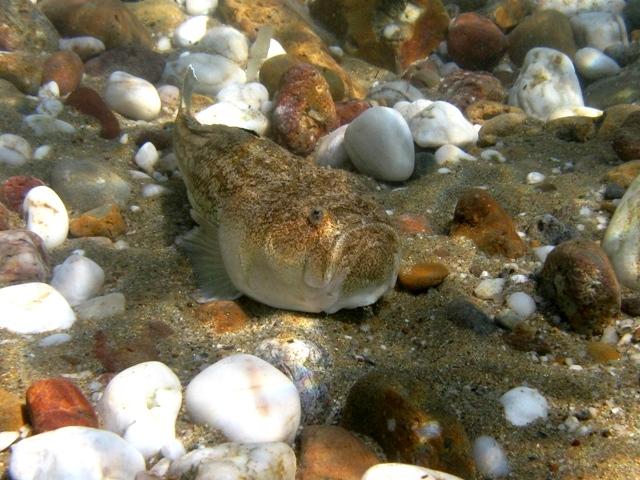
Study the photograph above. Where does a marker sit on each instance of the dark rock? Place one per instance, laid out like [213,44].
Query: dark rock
[474,42]
[14,189]
[623,88]
[613,191]
[623,175]
[631,306]
[466,314]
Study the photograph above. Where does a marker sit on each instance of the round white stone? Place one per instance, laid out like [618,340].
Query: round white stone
[228,42]
[74,453]
[146,157]
[225,113]
[46,216]
[402,471]
[534,178]
[169,95]
[524,405]
[14,150]
[451,155]
[200,7]
[78,278]
[50,106]
[86,47]
[252,94]
[330,151]
[141,404]
[380,145]
[132,96]
[246,398]
[213,72]
[490,459]
[235,461]
[190,31]
[44,124]
[441,123]
[592,64]
[408,110]
[546,82]
[34,308]
[522,303]
[41,152]
[490,288]
[154,190]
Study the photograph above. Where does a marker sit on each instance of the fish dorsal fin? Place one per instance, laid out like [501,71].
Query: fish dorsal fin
[203,248]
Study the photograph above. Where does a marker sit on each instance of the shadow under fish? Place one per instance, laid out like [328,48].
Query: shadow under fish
[276,227]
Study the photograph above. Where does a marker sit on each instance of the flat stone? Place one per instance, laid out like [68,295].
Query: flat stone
[421,276]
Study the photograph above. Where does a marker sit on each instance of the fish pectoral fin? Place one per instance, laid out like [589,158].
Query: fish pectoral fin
[202,247]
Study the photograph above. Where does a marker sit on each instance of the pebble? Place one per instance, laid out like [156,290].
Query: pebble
[252,94]
[422,276]
[103,221]
[226,113]
[404,471]
[146,157]
[246,398]
[578,277]
[85,47]
[65,68]
[331,452]
[534,178]
[153,190]
[602,352]
[524,405]
[228,42]
[546,82]
[14,189]
[54,340]
[34,308]
[592,64]
[100,308]
[141,404]
[490,458]
[14,150]
[190,31]
[331,152]
[200,7]
[213,72]
[46,216]
[462,89]
[625,140]
[408,110]
[491,155]
[522,304]
[86,100]
[466,33]
[441,123]
[379,144]
[23,258]
[451,155]
[74,453]
[599,29]
[54,403]
[41,152]
[11,412]
[78,279]
[131,96]
[466,314]
[238,461]
[45,124]
[136,60]
[490,288]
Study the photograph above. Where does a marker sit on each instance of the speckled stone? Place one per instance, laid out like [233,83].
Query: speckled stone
[462,88]
[624,174]
[222,316]
[103,221]
[23,258]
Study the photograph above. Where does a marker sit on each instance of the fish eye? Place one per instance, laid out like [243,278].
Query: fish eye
[316,215]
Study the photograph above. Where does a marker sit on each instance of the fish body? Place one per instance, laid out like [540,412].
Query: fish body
[278,228]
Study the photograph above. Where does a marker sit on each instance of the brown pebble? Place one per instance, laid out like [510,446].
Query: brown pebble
[626,141]
[5,220]
[349,109]
[11,418]
[65,68]
[623,174]
[57,402]
[422,276]
[525,338]
[474,42]
[412,224]
[115,356]
[480,217]
[328,452]
[88,101]
[602,352]
[103,221]
[222,316]
[14,189]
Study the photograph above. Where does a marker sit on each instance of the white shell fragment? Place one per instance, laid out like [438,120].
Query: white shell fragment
[141,404]
[235,461]
[380,145]
[14,150]
[46,216]
[546,82]
[524,405]
[213,72]
[451,155]
[74,453]
[246,398]
[132,96]
[78,278]
[403,471]
[34,308]
[441,123]
[228,42]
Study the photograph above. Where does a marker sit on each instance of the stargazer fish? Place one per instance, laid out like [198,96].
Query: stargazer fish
[276,227]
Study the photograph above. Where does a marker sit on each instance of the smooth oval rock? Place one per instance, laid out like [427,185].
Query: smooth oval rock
[74,453]
[404,471]
[524,405]
[190,31]
[474,42]
[132,96]
[441,123]
[379,144]
[421,276]
[65,68]
[228,42]
[200,7]
[246,398]
[592,64]
[78,278]
[14,150]
[141,404]
[34,308]
[46,216]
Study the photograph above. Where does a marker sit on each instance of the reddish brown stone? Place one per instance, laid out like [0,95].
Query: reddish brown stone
[328,452]
[89,102]
[116,356]
[508,13]
[412,224]
[419,277]
[104,221]
[626,141]
[11,418]
[462,88]
[23,70]
[24,27]
[303,109]
[65,68]
[350,109]
[14,189]
[56,402]
[480,217]
[222,316]
[474,42]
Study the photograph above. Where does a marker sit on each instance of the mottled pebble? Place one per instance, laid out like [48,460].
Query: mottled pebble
[11,415]
[103,221]
[65,68]
[222,316]
[23,258]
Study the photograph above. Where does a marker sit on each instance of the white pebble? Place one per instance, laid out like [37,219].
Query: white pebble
[46,216]
[50,106]
[200,7]
[44,124]
[141,404]
[599,29]
[330,151]
[163,44]
[146,157]
[235,461]
[542,252]
[609,335]
[228,42]
[490,459]
[246,398]
[451,155]
[408,110]
[402,471]
[190,31]
[441,123]
[99,308]
[493,155]
[85,47]
[524,405]
[74,453]
[154,190]
[169,95]
[380,145]
[213,72]
[519,278]
[522,304]
[78,278]
[49,90]
[444,171]
[534,178]
[42,152]
[132,96]
[253,95]
[54,340]
[489,288]
[34,308]
[225,113]
[14,150]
